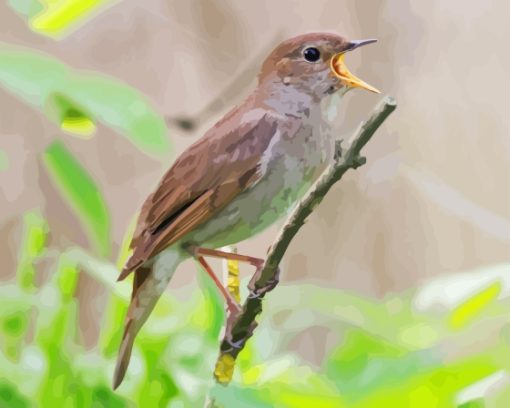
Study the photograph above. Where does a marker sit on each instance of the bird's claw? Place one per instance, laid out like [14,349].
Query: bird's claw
[236,344]
[259,292]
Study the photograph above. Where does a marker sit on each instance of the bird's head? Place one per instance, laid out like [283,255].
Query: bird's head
[312,64]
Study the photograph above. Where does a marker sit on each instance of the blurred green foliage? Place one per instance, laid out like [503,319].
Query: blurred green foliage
[77,100]
[378,353]
[82,194]
[55,18]
[366,353]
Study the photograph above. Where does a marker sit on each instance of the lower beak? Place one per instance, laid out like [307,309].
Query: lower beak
[340,70]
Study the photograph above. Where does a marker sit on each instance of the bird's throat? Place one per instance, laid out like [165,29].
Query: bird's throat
[291,101]
[330,104]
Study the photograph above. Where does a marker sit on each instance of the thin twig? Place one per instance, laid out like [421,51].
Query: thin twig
[240,327]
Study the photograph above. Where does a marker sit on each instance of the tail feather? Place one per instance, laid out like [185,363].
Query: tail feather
[148,285]
[146,293]
[131,265]
[124,354]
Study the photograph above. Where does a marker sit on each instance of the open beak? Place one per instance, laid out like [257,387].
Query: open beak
[340,69]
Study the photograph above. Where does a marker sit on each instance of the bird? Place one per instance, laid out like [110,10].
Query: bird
[244,174]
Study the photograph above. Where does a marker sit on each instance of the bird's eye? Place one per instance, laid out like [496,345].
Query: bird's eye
[311,54]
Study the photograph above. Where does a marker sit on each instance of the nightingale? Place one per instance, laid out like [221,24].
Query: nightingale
[244,174]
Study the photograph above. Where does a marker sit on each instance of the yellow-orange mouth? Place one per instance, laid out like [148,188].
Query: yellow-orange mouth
[340,70]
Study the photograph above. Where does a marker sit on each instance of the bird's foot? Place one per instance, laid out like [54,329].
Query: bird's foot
[257,291]
[232,305]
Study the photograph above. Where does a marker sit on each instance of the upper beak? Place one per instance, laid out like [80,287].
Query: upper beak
[340,69]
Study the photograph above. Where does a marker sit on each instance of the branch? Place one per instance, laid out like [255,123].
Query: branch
[240,326]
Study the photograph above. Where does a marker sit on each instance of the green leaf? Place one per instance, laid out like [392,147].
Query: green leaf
[10,396]
[16,305]
[58,18]
[72,117]
[209,313]
[81,193]
[66,277]
[33,245]
[433,387]
[110,335]
[13,328]
[58,328]
[59,379]
[467,311]
[159,386]
[76,100]
[104,397]
[37,230]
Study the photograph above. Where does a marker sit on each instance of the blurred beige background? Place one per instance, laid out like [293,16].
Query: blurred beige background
[434,196]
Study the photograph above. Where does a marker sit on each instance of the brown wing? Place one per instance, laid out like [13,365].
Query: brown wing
[204,179]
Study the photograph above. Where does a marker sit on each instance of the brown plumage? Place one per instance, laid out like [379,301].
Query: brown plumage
[240,177]
[200,183]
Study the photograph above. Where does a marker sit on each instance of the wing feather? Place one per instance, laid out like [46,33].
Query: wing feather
[203,180]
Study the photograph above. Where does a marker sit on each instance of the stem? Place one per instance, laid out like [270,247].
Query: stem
[240,326]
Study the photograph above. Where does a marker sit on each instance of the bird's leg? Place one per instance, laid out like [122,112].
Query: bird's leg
[215,253]
[232,305]
[199,253]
